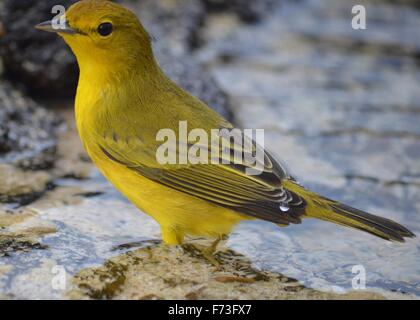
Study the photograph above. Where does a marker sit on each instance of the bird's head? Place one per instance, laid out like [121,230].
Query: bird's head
[102,33]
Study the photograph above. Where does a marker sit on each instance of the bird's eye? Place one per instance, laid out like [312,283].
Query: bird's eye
[105,29]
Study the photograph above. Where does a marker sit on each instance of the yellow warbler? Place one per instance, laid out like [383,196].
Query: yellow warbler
[124,99]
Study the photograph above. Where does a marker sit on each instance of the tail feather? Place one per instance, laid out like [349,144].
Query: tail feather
[336,212]
[378,226]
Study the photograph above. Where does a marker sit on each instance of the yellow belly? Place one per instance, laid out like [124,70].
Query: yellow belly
[177,213]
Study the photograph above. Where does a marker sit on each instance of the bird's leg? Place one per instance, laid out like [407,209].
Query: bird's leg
[171,236]
[208,252]
[213,247]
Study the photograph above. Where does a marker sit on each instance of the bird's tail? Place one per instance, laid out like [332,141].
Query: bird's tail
[333,211]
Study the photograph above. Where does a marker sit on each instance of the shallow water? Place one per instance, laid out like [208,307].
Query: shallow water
[340,109]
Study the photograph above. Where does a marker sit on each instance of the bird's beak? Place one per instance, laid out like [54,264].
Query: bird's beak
[50,26]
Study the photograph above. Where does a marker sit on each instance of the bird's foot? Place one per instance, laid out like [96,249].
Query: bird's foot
[212,260]
[208,252]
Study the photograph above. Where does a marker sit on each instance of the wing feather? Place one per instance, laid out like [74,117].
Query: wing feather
[262,196]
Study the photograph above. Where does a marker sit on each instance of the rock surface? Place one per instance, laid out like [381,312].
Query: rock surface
[22,186]
[16,235]
[248,11]
[27,131]
[341,108]
[149,274]
[38,59]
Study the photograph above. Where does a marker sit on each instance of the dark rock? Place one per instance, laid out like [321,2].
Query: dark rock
[172,24]
[27,131]
[38,59]
[413,3]
[2,31]
[248,11]
[9,244]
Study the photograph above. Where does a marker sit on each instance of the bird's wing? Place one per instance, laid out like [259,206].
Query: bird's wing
[226,184]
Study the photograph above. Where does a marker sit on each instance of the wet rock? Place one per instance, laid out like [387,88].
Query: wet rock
[27,131]
[11,244]
[19,231]
[38,59]
[173,24]
[162,272]
[20,186]
[248,11]
[2,33]
[4,269]
[359,96]
[413,3]
[341,108]
[72,160]
[24,223]
[2,30]
[9,218]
